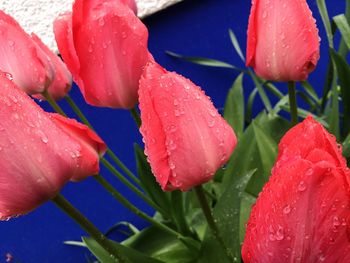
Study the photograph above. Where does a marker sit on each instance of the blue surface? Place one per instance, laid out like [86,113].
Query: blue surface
[196,28]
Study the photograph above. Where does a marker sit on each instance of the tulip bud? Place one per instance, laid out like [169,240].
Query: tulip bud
[283,41]
[37,156]
[92,146]
[62,81]
[303,212]
[186,139]
[105,47]
[20,56]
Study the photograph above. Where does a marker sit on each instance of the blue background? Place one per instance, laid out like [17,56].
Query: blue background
[194,28]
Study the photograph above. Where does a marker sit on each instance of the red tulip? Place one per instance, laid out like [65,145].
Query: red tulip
[62,81]
[37,156]
[283,41]
[105,47]
[92,146]
[20,56]
[303,212]
[186,139]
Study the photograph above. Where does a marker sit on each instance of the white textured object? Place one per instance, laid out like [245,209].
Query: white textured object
[37,15]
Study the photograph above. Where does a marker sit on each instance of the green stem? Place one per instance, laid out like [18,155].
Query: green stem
[293,102]
[85,224]
[115,172]
[132,208]
[135,115]
[109,152]
[53,103]
[210,219]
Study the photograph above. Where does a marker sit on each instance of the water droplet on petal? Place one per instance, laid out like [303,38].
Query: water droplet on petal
[302,186]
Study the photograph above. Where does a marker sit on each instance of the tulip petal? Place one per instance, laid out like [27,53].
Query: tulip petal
[20,57]
[37,158]
[303,212]
[186,139]
[111,43]
[283,42]
[62,82]
[64,38]
[92,146]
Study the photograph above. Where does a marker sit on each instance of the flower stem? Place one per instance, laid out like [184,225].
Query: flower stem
[135,115]
[92,230]
[53,103]
[132,208]
[293,102]
[115,172]
[109,152]
[210,219]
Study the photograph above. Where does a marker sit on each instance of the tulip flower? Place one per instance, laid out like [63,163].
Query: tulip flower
[20,56]
[37,156]
[105,47]
[62,81]
[303,212]
[92,146]
[186,139]
[283,41]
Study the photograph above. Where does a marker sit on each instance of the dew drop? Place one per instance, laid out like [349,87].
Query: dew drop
[302,186]
[286,209]
[264,14]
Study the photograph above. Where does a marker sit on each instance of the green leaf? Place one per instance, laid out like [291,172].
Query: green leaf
[274,90]
[149,183]
[236,44]
[247,155]
[346,147]
[204,61]
[162,246]
[312,104]
[279,105]
[333,116]
[322,8]
[343,71]
[310,91]
[178,212]
[343,26]
[343,49]
[250,103]
[104,257]
[246,207]
[262,93]
[234,106]
[227,217]
[267,147]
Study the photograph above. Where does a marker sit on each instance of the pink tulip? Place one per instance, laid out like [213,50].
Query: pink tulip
[62,81]
[92,146]
[303,212]
[105,47]
[283,41]
[37,156]
[186,139]
[131,4]
[28,65]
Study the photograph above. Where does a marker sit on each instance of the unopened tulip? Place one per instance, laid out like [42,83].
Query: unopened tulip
[62,80]
[283,41]
[303,212]
[37,156]
[105,47]
[186,139]
[20,56]
[92,146]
